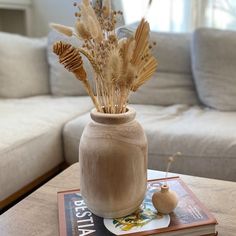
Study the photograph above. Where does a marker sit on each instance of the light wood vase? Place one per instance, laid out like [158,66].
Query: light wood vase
[113,164]
[165,201]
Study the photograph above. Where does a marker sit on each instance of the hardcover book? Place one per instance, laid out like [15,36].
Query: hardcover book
[190,218]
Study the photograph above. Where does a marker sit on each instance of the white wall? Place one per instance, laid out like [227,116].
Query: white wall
[46,11]
[57,11]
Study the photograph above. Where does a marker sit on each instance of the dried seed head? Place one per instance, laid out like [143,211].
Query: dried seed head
[78,14]
[62,29]
[112,38]
[106,8]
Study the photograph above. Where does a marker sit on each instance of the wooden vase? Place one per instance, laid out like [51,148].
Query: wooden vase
[165,201]
[113,164]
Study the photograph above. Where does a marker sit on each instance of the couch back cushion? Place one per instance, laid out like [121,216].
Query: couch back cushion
[214,67]
[23,66]
[62,82]
[172,83]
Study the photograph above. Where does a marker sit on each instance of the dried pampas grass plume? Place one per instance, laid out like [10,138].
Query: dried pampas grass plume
[90,18]
[86,2]
[114,66]
[93,28]
[82,31]
[62,29]
[130,75]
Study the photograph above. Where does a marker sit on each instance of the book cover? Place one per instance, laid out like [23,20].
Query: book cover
[190,217]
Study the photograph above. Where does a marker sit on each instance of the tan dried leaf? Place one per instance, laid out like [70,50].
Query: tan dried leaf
[141,38]
[145,74]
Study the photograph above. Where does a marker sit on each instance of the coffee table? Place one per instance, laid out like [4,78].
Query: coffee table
[37,214]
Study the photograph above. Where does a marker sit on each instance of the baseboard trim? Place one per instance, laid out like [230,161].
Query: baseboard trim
[20,194]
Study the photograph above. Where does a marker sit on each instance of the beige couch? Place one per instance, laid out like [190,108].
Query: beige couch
[43,111]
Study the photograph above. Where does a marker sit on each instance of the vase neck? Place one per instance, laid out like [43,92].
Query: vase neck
[164,188]
[106,118]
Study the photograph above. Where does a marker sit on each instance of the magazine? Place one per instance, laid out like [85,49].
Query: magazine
[190,217]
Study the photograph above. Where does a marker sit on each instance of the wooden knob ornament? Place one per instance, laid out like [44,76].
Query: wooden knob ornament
[165,201]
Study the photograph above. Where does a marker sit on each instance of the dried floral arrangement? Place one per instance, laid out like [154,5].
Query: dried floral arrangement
[120,65]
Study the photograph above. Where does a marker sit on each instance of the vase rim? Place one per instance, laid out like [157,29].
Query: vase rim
[164,188]
[107,118]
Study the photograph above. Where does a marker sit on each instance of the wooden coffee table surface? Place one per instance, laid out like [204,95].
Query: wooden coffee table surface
[37,213]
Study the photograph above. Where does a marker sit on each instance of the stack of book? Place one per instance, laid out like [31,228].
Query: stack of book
[190,218]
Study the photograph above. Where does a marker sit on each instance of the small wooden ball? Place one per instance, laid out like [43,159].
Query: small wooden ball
[165,201]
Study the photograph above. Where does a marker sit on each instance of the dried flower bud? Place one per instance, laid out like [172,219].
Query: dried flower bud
[62,29]
[106,8]
[77,14]
[112,38]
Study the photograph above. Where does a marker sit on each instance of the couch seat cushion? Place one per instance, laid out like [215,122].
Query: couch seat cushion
[205,137]
[31,140]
